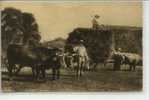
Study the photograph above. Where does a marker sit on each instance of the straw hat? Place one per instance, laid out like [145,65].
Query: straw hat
[97,16]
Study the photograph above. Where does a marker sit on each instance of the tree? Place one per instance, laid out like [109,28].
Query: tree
[17,27]
[11,25]
[30,25]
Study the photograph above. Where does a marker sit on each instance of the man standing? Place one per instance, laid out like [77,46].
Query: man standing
[95,22]
[81,51]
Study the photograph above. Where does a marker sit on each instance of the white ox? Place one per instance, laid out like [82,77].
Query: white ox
[132,60]
[81,58]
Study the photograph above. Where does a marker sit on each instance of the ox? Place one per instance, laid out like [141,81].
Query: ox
[132,60]
[55,61]
[81,58]
[39,59]
[115,57]
[120,58]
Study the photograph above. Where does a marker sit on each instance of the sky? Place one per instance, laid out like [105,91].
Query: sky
[57,19]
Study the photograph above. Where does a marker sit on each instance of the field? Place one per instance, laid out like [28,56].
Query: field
[103,79]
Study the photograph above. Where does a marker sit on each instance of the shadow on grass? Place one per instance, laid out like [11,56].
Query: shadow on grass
[30,78]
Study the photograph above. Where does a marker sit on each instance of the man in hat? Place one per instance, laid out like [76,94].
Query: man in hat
[95,22]
[81,51]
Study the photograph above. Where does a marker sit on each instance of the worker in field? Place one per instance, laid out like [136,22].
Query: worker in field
[119,50]
[118,58]
[82,55]
[95,22]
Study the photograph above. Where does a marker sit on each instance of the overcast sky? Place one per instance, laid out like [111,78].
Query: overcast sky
[58,19]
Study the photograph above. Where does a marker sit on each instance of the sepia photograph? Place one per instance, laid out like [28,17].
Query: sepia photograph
[71,46]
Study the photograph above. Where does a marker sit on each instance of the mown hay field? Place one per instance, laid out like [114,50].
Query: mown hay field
[102,79]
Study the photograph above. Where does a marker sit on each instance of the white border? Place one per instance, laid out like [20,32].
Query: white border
[98,95]
[70,1]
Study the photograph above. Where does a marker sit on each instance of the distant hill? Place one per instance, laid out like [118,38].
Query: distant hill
[56,43]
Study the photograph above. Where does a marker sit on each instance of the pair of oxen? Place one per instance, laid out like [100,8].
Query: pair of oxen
[123,58]
[42,58]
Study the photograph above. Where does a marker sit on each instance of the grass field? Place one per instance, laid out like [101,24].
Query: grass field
[103,79]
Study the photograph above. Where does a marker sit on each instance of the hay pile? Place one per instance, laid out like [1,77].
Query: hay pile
[97,42]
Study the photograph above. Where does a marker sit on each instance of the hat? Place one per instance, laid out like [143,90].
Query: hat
[81,41]
[97,16]
[119,49]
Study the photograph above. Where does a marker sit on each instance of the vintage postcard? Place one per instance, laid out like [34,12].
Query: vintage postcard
[71,46]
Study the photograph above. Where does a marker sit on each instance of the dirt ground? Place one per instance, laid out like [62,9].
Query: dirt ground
[103,79]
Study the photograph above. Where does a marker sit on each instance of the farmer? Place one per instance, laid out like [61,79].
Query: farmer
[81,51]
[95,22]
